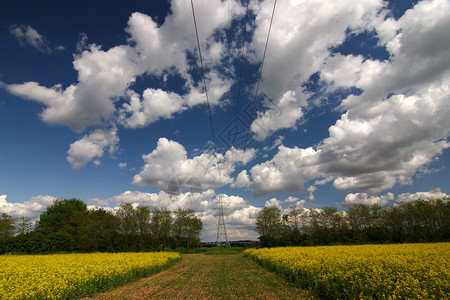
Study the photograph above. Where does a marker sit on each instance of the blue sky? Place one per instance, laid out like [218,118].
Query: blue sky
[105,103]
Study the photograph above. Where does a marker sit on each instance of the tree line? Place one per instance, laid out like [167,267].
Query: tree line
[422,220]
[69,226]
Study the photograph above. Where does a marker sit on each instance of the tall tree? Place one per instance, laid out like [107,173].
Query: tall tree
[143,217]
[128,221]
[294,217]
[98,232]
[6,231]
[23,225]
[186,228]
[161,227]
[269,224]
[62,215]
[128,226]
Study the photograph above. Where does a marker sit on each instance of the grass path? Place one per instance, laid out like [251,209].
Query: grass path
[200,276]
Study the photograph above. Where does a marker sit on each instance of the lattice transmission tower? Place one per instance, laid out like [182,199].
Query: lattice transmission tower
[222,238]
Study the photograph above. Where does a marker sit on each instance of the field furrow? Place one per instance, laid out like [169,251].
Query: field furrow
[200,276]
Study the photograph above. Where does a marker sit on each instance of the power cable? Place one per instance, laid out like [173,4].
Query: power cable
[242,62]
[257,88]
[236,125]
[261,68]
[206,93]
[221,224]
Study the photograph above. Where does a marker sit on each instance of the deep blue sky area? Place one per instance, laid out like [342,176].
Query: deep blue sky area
[105,101]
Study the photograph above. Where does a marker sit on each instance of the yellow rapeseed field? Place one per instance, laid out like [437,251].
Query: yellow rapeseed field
[71,276]
[405,271]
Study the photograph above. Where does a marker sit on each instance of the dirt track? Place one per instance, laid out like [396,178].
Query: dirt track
[200,276]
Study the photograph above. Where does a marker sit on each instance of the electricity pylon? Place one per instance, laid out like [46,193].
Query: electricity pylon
[222,238]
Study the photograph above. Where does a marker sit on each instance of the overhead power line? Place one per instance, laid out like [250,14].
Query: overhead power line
[206,90]
[260,73]
[221,228]
[247,135]
[242,62]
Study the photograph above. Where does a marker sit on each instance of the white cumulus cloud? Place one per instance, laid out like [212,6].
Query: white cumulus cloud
[168,164]
[29,209]
[396,126]
[363,198]
[407,197]
[90,146]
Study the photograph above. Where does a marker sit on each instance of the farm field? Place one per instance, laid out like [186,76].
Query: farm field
[406,271]
[72,276]
[200,276]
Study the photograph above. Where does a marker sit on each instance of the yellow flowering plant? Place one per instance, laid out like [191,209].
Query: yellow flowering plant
[72,276]
[406,271]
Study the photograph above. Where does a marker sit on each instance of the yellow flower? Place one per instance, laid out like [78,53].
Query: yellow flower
[61,275]
[419,271]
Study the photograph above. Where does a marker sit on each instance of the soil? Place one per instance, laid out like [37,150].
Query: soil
[200,276]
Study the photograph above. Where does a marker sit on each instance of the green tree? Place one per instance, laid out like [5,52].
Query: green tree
[186,228]
[269,225]
[62,224]
[6,231]
[294,217]
[143,217]
[62,215]
[98,231]
[128,221]
[161,227]
[128,226]
[23,225]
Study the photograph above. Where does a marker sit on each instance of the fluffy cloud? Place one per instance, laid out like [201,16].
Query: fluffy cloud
[369,154]
[168,166]
[30,209]
[27,35]
[92,145]
[363,198]
[155,104]
[395,127]
[291,201]
[287,171]
[283,114]
[242,180]
[302,34]
[301,37]
[102,76]
[273,202]
[197,201]
[374,153]
[107,75]
[414,64]
[436,193]
[326,25]
[387,133]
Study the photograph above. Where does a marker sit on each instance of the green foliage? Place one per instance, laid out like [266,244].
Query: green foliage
[211,250]
[23,225]
[6,231]
[160,228]
[62,215]
[68,226]
[186,228]
[269,223]
[422,220]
